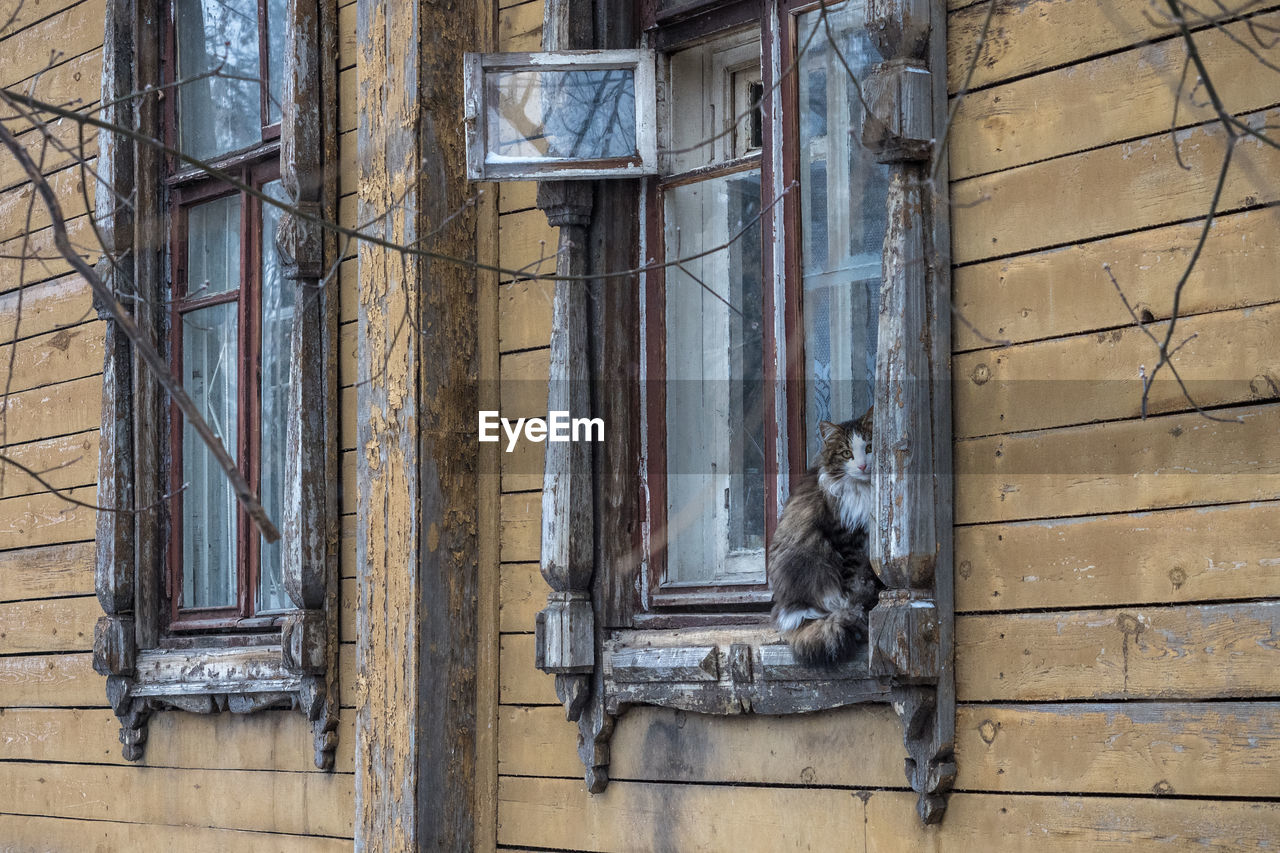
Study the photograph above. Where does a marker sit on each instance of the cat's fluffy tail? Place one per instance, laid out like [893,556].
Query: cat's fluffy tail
[828,638]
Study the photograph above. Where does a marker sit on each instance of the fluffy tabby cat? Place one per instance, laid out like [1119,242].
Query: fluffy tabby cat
[819,562]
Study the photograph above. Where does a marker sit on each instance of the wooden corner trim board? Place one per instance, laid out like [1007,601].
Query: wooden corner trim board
[292,661]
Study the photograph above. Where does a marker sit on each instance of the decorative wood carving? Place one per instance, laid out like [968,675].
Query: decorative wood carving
[908,644]
[298,667]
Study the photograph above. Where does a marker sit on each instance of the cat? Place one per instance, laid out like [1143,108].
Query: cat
[819,560]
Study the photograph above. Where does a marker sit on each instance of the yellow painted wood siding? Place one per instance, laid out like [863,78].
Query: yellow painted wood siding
[1100,558]
[206,783]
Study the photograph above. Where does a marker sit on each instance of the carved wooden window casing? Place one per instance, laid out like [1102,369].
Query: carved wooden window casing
[794,267]
[203,613]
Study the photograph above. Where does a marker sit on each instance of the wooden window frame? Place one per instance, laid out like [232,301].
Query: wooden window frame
[605,655]
[155,657]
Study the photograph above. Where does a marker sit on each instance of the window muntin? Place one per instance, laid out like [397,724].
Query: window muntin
[231,314]
[842,220]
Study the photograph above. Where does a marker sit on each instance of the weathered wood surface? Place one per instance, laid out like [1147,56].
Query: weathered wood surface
[522,468]
[1206,651]
[1121,187]
[520,27]
[64,147]
[1123,96]
[272,740]
[66,462]
[52,570]
[46,519]
[74,31]
[517,195]
[559,814]
[523,593]
[296,803]
[526,315]
[62,409]
[1222,749]
[1202,554]
[524,386]
[521,527]
[687,663]
[55,625]
[46,307]
[42,259]
[47,833]
[527,243]
[1066,291]
[1045,34]
[31,13]
[1232,358]
[67,186]
[59,680]
[519,682]
[1213,749]
[1168,461]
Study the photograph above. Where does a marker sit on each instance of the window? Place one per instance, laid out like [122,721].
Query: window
[202,613]
[794,259]
[721,314]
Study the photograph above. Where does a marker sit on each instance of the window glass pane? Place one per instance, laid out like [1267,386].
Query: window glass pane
[842,202]
[209,354]
[223,113]
[277,331]
[559,115]
[715,383]
[275,58]
[213,247]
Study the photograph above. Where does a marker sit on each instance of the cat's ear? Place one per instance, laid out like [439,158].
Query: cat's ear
[863,425]
[828,430]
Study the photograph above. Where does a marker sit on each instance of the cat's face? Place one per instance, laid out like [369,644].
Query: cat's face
[846,448]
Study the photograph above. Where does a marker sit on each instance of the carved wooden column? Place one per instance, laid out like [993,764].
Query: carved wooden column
[309,638]
[567,636]
[906,626]
[115,644]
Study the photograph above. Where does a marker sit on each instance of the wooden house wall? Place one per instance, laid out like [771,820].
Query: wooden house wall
[210,783]
[1116,578]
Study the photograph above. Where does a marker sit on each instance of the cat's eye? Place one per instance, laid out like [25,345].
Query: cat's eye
[867,449]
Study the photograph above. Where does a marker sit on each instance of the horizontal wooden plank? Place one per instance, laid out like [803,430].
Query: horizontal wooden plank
[269,740]
[62,409]
[1201,554]
[856,746]
[46,307]
[46,519]
[520,27]
[347,36]
[1122,187]
[646,816]
[67,185]
[53,357]
[1025,38]
[521,527]
[519,682]
[1229,357]
[53,681]
[49,571]
[1199,749]
[524,318]
[54,625]
[299,803]
[1162,462]
[524,385]
[526,243]
[31,833]
[1066,291]
[347,100]
[522,468]
[1123,96]
[42,260]
[517,195]
[1206,651]
[22,15]
[65,462]
[64,148]
[61,37]
[1215,749]
[523,592]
